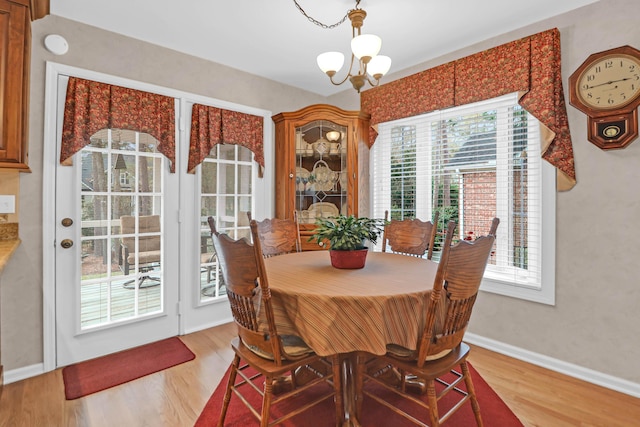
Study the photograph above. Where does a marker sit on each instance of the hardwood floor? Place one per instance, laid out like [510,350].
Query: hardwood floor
[544,398]
[176,396]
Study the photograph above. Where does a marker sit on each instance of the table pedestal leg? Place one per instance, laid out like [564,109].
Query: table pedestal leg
[349,391]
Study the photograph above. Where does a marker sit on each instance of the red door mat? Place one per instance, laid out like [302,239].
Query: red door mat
[114,369]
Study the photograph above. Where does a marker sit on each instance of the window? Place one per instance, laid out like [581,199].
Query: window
[473,163]
[124,179]
[226,194]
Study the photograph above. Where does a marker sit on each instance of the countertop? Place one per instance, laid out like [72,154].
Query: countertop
[9,242]
[7,248]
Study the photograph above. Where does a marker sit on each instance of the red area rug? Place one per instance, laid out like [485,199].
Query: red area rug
[114,369]
[495,413]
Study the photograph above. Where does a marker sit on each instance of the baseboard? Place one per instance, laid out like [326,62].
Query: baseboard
[576,371]
[208,325]
[23,373]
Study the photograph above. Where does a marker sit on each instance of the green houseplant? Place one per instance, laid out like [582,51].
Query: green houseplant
[346,236]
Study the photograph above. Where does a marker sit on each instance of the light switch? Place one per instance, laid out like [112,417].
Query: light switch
[7,204]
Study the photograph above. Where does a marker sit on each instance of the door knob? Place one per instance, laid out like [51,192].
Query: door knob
[66,243]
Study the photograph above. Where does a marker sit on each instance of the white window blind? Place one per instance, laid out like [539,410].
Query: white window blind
[471,164]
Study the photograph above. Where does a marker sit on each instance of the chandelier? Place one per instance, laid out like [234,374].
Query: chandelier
[366,64]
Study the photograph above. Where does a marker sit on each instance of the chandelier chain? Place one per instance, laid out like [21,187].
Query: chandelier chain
[320,24]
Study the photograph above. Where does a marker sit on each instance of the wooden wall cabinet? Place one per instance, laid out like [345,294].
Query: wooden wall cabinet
[15,51]
[316,151]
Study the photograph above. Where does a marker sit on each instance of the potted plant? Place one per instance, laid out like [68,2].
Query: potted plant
[346,236]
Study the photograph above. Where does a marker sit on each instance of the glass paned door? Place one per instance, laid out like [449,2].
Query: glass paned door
[116,293]
[226,196]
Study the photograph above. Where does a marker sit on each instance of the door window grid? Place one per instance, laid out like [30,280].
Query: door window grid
[104,298]
[226,178]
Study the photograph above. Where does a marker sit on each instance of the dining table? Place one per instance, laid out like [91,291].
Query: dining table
[350,311]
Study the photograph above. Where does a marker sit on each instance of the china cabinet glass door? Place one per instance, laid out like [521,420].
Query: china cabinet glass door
[321,171]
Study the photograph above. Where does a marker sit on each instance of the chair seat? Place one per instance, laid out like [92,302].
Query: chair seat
[293,345]
[267,366]
[401,352]
[144,257]
[433,368]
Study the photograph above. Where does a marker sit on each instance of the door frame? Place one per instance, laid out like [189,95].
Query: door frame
[263,193]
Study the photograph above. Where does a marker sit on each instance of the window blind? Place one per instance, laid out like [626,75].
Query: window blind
[471,164]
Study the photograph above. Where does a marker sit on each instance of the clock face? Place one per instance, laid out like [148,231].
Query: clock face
[610,82]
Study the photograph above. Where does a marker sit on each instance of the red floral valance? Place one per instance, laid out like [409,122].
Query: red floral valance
[211,126]
[530,66]
[91,106]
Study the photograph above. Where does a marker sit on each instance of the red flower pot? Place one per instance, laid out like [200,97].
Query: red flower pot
[348,259]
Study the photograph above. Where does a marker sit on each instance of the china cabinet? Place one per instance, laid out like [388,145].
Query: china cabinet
[15,42]
[317,164]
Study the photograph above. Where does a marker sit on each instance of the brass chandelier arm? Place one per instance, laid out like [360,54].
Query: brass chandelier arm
[345,77]
[358,81]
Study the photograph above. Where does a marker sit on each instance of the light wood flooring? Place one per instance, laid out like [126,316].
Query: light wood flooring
[176,396]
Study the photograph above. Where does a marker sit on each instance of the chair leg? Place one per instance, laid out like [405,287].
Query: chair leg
[227,395]
[130,284]
[266,401]
[472,392]
[433,403]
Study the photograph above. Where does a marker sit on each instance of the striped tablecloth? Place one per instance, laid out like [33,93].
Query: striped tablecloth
[340,311]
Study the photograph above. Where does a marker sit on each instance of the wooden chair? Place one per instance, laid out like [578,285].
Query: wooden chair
[259,349]
[410,236]
[278,236]
[439,349]
[149,251]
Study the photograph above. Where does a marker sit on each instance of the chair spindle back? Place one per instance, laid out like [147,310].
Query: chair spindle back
[248,292]
[278,236]
[456,286]
[410,236]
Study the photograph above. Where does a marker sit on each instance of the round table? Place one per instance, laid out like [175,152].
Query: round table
[338,311]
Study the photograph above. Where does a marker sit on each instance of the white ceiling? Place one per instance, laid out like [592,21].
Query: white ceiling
[271,38]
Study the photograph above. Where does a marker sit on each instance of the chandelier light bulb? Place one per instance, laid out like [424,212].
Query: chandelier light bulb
[366,46]
[379,66]
[330,62]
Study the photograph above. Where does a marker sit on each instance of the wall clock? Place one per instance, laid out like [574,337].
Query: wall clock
[606,87]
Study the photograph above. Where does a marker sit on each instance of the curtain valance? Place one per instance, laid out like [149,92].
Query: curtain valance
[211,126]
[91,106]
[530,66]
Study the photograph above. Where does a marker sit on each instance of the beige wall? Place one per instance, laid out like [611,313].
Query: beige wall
[10,186]
[595,320]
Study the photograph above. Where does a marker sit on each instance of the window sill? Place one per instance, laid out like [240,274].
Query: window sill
[543,294]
